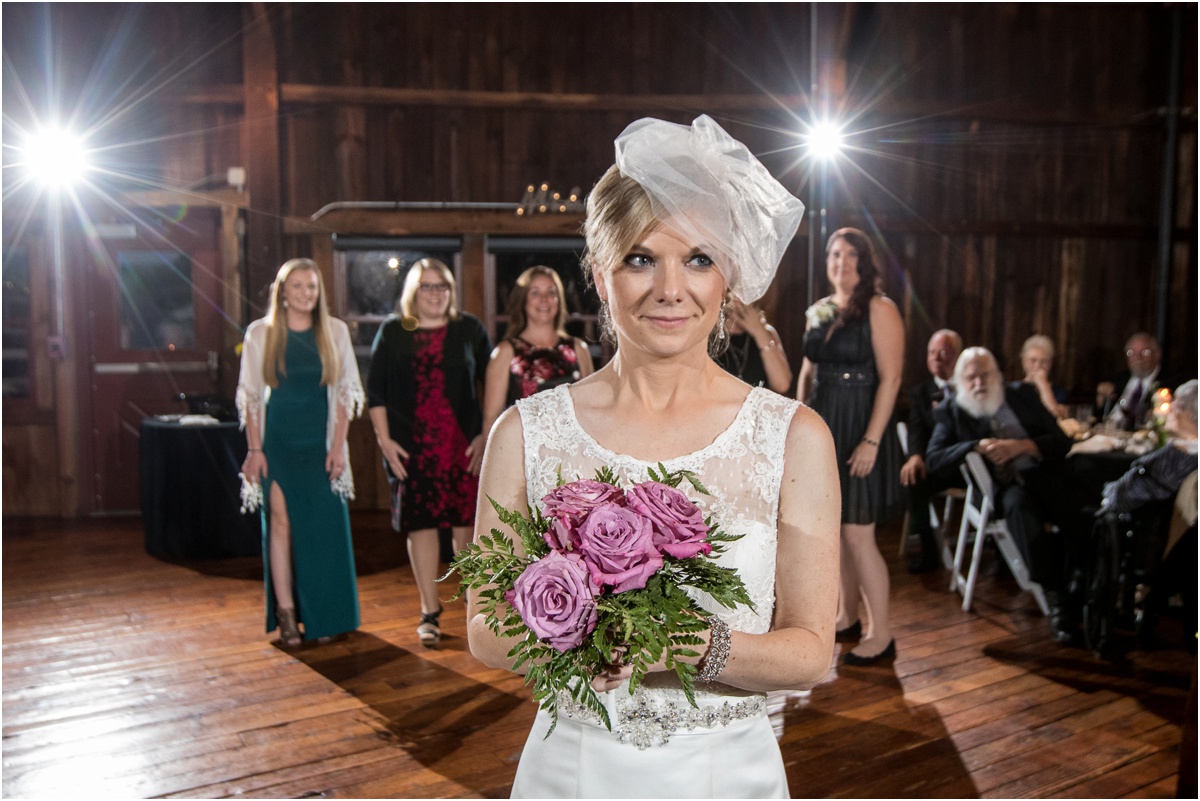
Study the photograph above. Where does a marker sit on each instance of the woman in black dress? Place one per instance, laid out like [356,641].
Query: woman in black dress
[427,370]
[755,353]
[853,363]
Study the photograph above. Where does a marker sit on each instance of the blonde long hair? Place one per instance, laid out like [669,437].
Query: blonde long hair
[274,361]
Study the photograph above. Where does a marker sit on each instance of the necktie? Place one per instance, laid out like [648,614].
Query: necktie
[1135,399]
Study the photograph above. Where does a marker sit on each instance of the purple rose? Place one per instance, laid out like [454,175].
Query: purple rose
[555,598]
[679,528]
[618,546]
[569,504]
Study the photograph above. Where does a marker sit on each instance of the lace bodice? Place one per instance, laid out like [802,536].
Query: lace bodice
[742,468]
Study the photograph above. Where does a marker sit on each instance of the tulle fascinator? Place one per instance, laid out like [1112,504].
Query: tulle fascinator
[708,186]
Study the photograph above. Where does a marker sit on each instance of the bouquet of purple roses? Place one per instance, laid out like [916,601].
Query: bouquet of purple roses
[602,573]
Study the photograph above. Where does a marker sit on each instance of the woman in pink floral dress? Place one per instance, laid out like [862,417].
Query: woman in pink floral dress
[536,353]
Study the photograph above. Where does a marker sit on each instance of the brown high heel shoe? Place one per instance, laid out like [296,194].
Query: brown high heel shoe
[289,631]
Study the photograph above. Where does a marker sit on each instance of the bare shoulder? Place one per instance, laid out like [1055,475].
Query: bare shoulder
[808,434]
[883,305]
[503,350]
[508,431]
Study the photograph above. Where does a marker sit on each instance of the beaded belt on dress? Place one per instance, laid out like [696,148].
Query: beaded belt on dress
[846,374]
[645,722]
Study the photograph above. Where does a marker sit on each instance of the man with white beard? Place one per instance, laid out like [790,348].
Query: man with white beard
[1026,453]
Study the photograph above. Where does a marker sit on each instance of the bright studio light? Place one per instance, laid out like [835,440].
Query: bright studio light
[55,157]
[825,141]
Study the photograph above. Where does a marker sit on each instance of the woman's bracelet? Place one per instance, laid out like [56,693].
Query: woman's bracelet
[771,345]
[255,450]
[718,651]
[872,442]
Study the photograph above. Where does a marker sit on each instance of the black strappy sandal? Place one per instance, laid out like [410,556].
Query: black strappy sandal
[428,630]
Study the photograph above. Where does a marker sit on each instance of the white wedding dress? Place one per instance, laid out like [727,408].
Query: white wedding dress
[660,746]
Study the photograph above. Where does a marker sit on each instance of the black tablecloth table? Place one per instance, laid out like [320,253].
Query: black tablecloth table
[1094,470]
[191,504]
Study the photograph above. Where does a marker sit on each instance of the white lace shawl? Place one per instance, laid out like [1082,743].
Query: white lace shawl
[252,394]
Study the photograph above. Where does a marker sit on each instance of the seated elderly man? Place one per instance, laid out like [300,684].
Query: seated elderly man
[941,354]
[1127,399]
[1026,453]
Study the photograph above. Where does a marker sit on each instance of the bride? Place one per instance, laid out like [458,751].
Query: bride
[684,221]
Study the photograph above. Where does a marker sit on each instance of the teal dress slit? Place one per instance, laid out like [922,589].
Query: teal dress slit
[323,577]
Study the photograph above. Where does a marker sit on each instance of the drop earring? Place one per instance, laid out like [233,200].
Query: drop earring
[721,322]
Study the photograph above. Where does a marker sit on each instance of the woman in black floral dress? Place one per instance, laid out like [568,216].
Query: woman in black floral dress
[423,399]
[536,353]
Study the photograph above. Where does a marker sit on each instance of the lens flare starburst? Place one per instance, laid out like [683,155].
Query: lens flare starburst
[825,141]
[54,157]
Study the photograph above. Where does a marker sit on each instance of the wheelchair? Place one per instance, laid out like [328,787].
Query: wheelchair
[1122,561]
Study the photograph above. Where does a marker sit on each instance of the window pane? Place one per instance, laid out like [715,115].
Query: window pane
[157,312]
[16,322]
[374,281]
[582,300]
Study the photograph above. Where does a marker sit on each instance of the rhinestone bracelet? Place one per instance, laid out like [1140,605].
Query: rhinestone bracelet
[718,651]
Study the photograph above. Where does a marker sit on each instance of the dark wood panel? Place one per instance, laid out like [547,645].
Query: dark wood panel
[1009,155]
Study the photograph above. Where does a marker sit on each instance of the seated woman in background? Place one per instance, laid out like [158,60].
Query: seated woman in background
[755,351]
[1037,357]
[536,353]
[1158,475]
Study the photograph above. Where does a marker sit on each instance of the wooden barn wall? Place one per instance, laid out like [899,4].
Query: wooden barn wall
[1008,157]
[1024,199]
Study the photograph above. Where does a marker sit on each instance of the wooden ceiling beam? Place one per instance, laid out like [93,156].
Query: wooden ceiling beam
[311,94]
[408,222]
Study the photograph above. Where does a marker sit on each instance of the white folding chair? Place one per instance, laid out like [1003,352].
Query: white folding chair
[939,524]
[902,435]
[977,525]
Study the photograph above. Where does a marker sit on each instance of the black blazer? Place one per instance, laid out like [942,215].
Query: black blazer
[391,382]
[921,400]
[1122,378]
[957,433]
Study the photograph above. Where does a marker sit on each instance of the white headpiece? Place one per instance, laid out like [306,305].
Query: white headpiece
[710,187]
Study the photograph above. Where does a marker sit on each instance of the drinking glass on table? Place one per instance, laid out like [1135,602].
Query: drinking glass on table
[1083,415]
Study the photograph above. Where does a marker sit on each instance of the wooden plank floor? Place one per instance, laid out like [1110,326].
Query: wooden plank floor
[126,676]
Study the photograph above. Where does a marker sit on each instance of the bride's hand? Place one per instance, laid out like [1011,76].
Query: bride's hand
[611,677]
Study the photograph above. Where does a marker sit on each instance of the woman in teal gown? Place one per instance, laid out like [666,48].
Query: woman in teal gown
[298,390]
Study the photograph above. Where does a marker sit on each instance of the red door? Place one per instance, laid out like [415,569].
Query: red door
[153,306]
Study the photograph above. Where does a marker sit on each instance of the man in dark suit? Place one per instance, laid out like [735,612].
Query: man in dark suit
[1026,452]
[1128,398]
[940,356]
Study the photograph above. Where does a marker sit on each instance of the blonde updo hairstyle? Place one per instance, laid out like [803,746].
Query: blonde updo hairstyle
[619,215]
